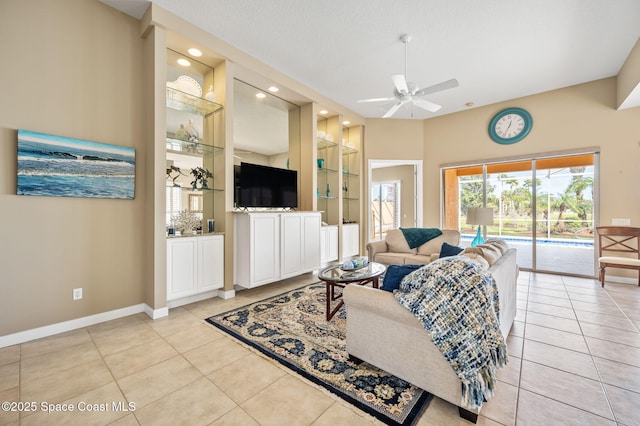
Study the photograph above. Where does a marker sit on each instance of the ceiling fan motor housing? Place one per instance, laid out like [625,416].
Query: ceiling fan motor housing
[413,88]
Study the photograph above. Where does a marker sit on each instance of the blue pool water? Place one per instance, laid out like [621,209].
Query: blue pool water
[543,241]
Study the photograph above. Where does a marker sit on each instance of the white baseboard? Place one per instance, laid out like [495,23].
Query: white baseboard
[192,299]
[226,294]
[156,313]
[61,327]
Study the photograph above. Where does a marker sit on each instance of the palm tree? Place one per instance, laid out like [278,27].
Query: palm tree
[577,187]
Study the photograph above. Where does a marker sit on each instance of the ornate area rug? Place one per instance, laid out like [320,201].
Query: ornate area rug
[291,328]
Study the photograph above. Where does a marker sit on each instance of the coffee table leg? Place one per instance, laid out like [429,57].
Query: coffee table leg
[329,292]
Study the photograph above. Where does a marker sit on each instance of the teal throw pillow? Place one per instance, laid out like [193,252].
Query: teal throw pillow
[448,250]
[395,274]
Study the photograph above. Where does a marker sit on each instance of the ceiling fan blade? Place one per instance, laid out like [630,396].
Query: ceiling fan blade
[449,84]
[376,100]
[429,106]
[400,82]
[393,109]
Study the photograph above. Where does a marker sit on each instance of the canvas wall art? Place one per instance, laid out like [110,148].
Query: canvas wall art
[66,167]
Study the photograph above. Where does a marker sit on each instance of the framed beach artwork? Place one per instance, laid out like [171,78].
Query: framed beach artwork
[57,166]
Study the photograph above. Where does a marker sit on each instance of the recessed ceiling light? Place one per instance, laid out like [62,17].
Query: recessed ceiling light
[273,89]
[346,122]
[323,111]
[184,62]
[195,52]
[469,104]
[260,95]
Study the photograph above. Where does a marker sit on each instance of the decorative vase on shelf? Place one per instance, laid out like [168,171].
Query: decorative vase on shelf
[328,191]
[210,95]
[181,133]
[191,132]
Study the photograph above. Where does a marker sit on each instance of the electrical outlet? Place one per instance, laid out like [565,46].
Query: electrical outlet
[77,293]
[620,222]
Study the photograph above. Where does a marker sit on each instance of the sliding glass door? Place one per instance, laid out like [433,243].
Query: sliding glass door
[543,207]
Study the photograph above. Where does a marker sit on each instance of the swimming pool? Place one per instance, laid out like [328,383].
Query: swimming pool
[543,241]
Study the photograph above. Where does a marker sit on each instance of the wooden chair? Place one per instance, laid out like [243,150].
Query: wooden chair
[618,239]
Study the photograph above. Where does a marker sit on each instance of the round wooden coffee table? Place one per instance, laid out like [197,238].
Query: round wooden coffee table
[335,276]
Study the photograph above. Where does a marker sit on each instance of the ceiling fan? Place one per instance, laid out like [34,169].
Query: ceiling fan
[405,92]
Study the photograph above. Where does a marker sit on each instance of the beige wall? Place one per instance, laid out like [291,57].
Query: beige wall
[393,140]
[70,68]
[571,118]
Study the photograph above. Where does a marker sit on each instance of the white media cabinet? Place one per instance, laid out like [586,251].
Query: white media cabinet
[271,246]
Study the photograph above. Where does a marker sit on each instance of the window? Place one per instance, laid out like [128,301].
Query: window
[173,202]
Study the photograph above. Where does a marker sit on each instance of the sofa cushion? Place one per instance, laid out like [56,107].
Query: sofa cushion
[447,250]
[500,244]
[391,258]
[476,258]
[396,242]
[395,274]
[418,258]
[451,236]
[488,251]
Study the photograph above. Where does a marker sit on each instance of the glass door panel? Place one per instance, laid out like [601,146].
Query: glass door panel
[385,209]
[509,193]
[470,188]
[565,215]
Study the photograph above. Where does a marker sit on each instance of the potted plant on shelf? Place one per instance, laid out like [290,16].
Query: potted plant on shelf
[200,176]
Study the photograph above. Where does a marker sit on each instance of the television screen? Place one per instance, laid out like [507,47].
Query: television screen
[264,186]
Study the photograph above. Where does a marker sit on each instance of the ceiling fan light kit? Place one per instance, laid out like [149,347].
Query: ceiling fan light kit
[406,92]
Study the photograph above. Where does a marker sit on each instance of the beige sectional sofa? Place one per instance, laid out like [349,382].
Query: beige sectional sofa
[383,333]
[395,250]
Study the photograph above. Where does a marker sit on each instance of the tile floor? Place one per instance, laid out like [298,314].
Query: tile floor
[574,360]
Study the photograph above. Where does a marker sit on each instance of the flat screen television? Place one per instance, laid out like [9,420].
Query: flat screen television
[264,186]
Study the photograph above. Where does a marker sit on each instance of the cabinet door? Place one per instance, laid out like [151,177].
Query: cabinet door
[311,259]
[265,248]
[324,245]
[332,243]
[181,267]
[350,237]
[292,240]
[210,263]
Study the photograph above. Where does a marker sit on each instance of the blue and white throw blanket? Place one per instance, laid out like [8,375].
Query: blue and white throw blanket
[457,303]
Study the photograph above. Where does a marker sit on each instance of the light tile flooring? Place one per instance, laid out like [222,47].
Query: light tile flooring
[574,359]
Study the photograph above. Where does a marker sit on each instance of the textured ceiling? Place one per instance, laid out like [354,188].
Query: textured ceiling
[348,49]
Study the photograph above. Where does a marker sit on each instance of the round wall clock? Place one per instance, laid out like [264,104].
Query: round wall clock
[510,125]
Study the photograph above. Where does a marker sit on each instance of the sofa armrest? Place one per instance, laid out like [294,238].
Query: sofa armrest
[376,247]
[378,302]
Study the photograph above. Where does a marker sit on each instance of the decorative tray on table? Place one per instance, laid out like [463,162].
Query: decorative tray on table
[355,264]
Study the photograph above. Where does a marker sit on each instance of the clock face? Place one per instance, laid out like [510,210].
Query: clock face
[510,126]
